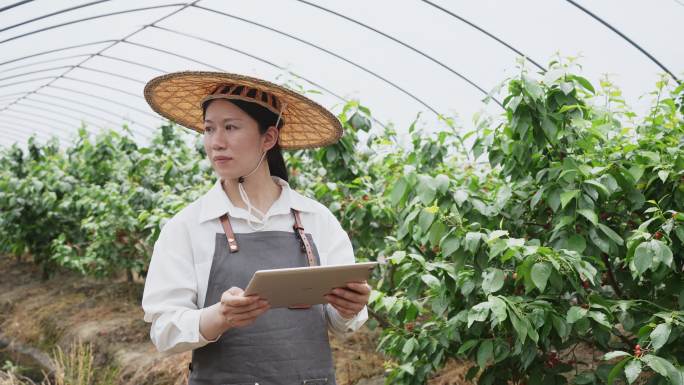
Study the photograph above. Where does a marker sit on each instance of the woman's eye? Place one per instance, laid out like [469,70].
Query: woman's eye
[207,129]
[230,127]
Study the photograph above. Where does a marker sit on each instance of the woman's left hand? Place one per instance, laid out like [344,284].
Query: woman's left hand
[349,300]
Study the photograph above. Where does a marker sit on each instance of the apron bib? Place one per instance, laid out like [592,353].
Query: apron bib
[283,346]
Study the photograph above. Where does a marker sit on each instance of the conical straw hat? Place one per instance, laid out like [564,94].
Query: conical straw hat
[179,97]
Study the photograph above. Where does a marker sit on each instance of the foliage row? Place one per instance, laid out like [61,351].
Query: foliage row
[568,239]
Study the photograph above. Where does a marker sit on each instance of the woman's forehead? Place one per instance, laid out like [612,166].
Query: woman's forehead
[222,109]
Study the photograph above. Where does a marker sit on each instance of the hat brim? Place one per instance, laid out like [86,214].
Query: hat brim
[177,96]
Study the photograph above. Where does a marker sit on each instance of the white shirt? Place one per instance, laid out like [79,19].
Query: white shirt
[176,282]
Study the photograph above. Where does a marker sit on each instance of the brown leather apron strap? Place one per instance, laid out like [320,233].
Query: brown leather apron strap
[299,230]
[228,229]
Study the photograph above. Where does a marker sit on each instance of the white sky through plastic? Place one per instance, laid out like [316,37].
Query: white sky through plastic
[398,57]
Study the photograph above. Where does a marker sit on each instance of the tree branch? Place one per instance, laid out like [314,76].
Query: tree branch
[611,277]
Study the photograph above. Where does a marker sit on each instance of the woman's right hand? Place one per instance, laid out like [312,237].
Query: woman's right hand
[238,310]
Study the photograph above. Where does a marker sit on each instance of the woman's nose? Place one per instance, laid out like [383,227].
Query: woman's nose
[219,140]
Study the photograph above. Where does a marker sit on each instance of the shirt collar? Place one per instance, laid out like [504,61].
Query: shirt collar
[216,203]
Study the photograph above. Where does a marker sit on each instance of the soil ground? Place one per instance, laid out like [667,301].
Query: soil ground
[39,316]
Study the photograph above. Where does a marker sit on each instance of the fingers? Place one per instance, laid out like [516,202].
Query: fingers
[344,312]
[235,297]
[359,287]
[344,305]
[250,315]
[235,291]
[227,309]
[351,296]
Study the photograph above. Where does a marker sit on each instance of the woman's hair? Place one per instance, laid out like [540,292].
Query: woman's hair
[265,119]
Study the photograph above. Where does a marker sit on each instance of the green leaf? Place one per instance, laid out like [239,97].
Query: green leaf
[426,189]
[575,313]
[431,281]
[532,87]
[611,234]
[485,353]
[632,370]
[492,280]
[583,82]
[658,364]
[399,191]
[437,231]
[617,369]
[450,245]
[643,257]
[636,172]
[662,252]
[478,313]
[541,271]
[408,368]
[536,198]
[590,215]
[660,335]
[567,196]
[409,346]
[615,354]
[472,241]
[467,346]
[425,219]
[662,174]
[554,199]
[576,242]
[599,241]
[519,326]
[603,190]
[550,129]
[498,307]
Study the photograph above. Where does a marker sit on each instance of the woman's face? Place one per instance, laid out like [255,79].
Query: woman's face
[232,140]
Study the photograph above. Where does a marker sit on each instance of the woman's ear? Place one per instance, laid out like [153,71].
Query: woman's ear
[270,138]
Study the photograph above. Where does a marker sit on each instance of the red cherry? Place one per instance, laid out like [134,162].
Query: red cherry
[585,284]
[658,235]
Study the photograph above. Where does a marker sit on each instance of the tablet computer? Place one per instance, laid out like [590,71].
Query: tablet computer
[301,286]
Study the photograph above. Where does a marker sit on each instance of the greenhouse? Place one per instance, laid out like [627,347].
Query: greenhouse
[323,192]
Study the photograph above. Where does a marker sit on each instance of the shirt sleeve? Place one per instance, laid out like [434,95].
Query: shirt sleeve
[338,250]
[170,295]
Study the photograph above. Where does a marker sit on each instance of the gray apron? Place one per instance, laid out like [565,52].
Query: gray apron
[283,346]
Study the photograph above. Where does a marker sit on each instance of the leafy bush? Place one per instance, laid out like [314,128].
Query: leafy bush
[567,238]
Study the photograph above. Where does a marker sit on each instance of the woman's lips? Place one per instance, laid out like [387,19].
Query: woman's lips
[222,159]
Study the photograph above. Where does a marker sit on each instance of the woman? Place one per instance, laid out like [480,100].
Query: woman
[250,220]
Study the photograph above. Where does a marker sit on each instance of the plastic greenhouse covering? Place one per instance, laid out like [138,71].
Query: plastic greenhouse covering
[64,64]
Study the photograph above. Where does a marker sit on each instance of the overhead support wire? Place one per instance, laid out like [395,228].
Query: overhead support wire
[80,103]
[58,50]
[42,62]
[8,7]
[416,50]
[93,96]
[491,35]
[8,127]
[372,73]
[90,18]
[51,14]
[180,6]
[109,122]
[622,35]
